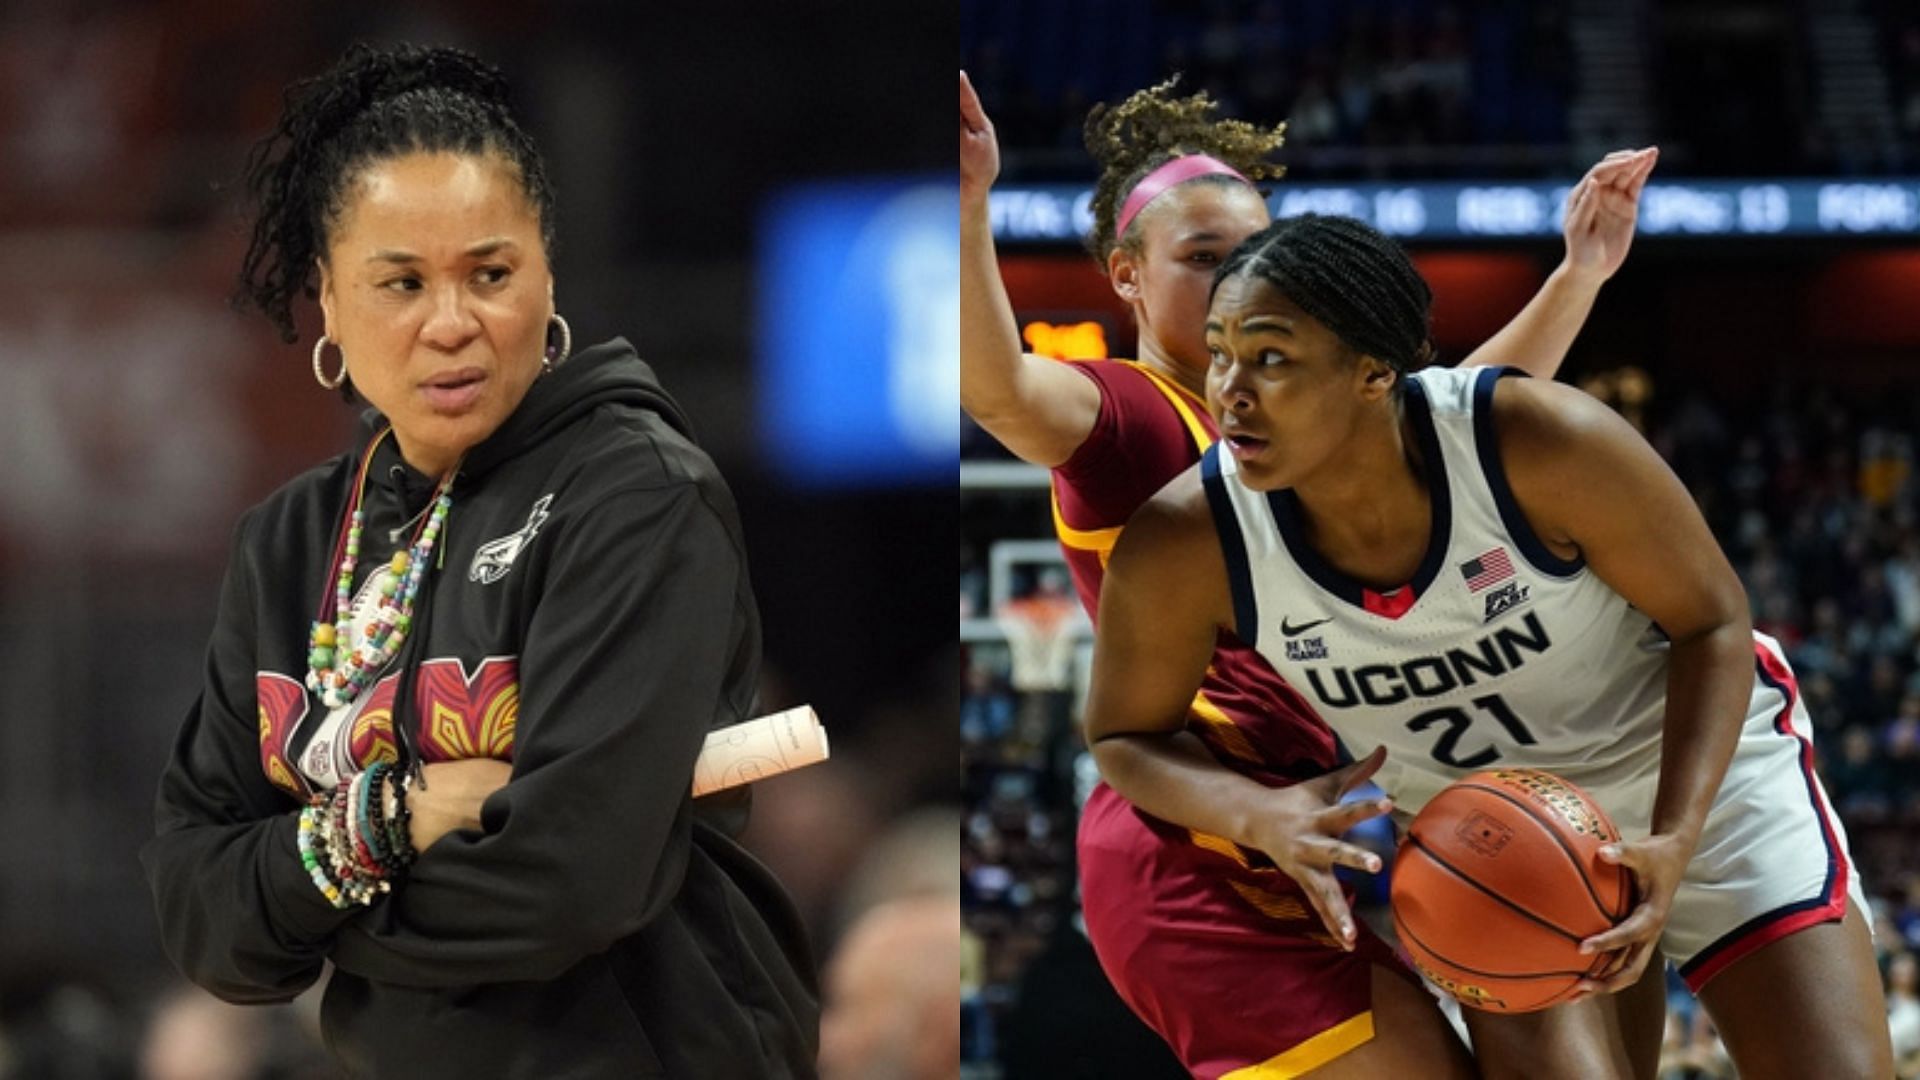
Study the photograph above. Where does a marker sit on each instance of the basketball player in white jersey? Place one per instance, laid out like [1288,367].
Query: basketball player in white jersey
[1465,571]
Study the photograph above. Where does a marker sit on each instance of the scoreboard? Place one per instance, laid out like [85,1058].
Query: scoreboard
[1450,211]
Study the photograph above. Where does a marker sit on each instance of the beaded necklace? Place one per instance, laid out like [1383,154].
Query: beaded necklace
[338,669]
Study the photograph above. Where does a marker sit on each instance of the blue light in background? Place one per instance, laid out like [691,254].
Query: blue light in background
[858,337]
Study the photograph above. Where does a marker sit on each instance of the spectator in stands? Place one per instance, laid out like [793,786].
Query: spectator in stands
[1858,776]
[888,1016]
[1903,1013]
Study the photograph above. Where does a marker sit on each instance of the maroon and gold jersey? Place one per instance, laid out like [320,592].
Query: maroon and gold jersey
[1207,941]
[1149,431]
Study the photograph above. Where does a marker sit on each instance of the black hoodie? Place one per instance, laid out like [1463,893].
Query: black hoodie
[589,620]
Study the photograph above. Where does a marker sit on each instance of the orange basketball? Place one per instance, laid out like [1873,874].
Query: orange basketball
[1499,880]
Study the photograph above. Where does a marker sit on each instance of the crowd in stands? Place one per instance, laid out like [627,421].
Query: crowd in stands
[1901,38]
[1381,74]
[1372,88]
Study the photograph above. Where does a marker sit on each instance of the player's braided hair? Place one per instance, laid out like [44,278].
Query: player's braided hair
[1348,275]
[376,103]
[1151,128]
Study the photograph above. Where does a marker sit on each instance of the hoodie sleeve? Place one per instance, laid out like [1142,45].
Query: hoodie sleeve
[238,914]
[643,624]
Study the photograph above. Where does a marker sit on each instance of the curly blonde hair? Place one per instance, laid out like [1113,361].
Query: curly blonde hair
[1151,128]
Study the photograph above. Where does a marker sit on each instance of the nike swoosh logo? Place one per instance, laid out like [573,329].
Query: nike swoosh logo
[1289,630]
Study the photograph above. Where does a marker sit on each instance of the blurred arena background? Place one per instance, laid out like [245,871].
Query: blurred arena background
[731,178]
[1764,334]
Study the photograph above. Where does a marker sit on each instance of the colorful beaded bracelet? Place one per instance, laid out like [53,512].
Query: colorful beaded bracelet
[309,859]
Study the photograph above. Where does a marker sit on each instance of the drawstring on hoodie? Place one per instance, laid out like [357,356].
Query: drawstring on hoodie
[410,762]
[405,663]
[397,479]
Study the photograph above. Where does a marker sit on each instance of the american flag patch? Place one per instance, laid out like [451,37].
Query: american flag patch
[1487,569]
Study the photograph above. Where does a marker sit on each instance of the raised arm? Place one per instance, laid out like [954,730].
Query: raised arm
[1587,480]
[1039,409]
[1164,598]
[1601,212]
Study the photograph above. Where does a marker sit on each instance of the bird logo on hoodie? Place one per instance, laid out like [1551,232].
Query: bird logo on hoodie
[495,557]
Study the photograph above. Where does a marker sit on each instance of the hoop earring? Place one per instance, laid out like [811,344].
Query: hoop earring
[319,374]
[553,358]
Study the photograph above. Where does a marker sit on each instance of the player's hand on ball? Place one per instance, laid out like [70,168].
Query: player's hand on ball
[1657,863]
[979,149]
[1602,210]
[1301,834]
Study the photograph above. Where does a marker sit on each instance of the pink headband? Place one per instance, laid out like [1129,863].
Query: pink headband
[1178,171]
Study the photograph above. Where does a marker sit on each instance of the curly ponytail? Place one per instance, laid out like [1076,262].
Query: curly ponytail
[376,103]
[1151,128]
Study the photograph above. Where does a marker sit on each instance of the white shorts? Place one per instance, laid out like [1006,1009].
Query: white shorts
[1773,856]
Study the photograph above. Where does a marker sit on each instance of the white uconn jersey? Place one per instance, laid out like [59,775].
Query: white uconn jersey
[1500,653]
[1497,653]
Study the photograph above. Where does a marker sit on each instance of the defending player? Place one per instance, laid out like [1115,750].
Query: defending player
[1203,937]
[1459,571]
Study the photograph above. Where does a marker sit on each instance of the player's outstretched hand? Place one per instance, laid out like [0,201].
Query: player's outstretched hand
[1602,210]
[979,149]
[1301,834]
[1657,864]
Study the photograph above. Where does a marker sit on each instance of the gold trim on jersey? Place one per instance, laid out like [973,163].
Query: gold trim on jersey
[1183,400]
[1222,729]
[1098,541]
[1219,845]
[1216,728]
[1272,905]
[1101,541]
[1347,1035]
